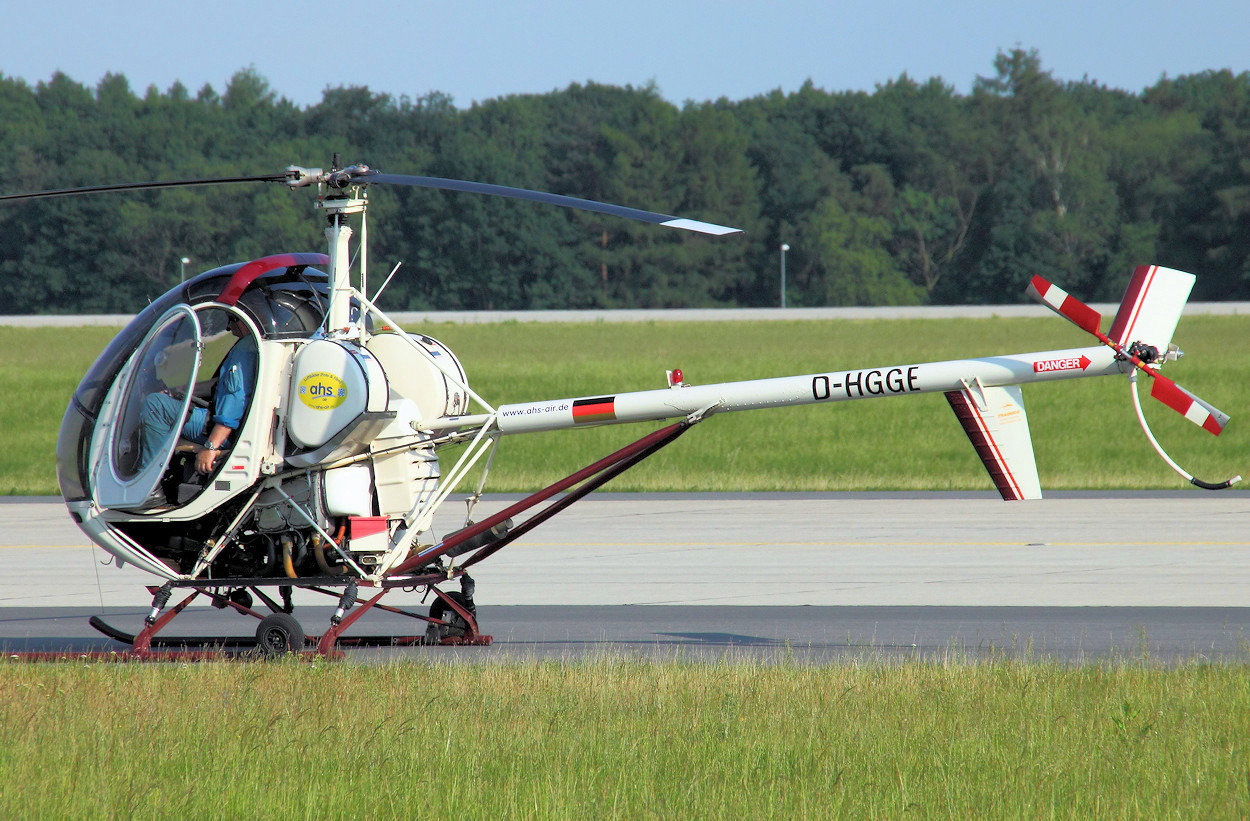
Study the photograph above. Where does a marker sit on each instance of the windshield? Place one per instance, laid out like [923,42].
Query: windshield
[165,371]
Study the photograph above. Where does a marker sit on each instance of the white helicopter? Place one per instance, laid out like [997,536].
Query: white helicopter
[265,425]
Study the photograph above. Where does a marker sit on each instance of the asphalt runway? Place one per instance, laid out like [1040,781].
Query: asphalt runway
[814,578]
[766,634]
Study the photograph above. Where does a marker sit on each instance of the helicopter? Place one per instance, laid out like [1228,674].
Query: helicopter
[264,427]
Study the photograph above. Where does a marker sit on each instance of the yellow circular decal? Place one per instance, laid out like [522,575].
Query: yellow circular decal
[322,391]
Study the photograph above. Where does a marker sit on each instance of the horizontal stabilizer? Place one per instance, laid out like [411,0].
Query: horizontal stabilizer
[998,428]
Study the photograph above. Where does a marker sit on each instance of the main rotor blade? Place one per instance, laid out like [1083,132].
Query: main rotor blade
[140,186]
[370,177]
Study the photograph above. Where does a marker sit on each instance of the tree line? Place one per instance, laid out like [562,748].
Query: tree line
[912,194]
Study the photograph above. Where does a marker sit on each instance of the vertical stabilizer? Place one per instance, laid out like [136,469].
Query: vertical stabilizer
[1151,306]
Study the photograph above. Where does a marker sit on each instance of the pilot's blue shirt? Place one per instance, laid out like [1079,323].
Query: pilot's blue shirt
[236,381]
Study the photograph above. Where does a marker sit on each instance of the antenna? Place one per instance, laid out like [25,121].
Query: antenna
[386,282]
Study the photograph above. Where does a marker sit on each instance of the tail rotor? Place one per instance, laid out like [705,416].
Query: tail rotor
[1141,335]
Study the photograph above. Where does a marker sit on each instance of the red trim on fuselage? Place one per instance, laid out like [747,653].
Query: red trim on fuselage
[250,272]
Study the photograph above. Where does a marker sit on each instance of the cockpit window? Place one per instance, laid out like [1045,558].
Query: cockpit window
[194,372]
[293,311]
[218,340]
[161,385]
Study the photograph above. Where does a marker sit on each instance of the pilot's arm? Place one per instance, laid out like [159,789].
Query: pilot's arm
[234,388]
[212,449]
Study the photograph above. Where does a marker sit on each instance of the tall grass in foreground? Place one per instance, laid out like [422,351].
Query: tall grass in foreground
[1084,432]
[616,738]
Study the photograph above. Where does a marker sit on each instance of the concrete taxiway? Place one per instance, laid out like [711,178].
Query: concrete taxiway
[1075,576]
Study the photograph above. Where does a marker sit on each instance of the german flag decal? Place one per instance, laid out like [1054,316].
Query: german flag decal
[600,409]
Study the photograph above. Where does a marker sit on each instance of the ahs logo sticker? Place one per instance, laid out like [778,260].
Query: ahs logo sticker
[322,391]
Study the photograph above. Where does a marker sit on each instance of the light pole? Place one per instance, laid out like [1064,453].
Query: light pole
[784,248]
[182,273]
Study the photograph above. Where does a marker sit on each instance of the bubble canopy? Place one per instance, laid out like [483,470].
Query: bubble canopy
[285,297]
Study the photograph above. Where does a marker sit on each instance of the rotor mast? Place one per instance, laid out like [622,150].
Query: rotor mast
[345,197]
[338,238]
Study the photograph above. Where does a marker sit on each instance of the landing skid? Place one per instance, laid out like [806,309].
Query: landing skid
[117,634]
[245,643]
[277,634]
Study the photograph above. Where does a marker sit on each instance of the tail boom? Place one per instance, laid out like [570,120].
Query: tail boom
[867,383]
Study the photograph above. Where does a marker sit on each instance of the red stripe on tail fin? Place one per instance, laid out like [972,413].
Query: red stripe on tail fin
[1151,306]
[995,422]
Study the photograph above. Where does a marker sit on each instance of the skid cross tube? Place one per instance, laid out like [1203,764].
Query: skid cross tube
[657,439]
[329,639]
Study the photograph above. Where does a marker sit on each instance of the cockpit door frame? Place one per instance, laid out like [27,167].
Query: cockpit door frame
[111,486]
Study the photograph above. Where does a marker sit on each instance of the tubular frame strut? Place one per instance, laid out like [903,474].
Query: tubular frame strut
[594,476]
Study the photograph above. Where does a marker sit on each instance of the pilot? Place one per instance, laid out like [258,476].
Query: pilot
[209,429]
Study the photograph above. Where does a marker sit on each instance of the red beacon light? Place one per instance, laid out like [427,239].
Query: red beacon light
[675,378]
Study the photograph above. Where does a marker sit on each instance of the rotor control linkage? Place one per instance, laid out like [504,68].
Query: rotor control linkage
[346,602]
[1148,354]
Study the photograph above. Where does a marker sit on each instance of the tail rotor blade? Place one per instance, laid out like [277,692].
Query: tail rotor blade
[1066,305]
[1196,410]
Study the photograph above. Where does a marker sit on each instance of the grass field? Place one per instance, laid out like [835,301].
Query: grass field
[1084,432]
[618,738]
[623,738]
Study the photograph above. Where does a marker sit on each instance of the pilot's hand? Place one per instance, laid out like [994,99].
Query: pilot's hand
[204,460]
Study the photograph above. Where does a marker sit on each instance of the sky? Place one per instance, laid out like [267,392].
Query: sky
[692,51]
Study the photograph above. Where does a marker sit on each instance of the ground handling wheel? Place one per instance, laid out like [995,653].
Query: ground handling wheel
[456,626]
[278,635]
